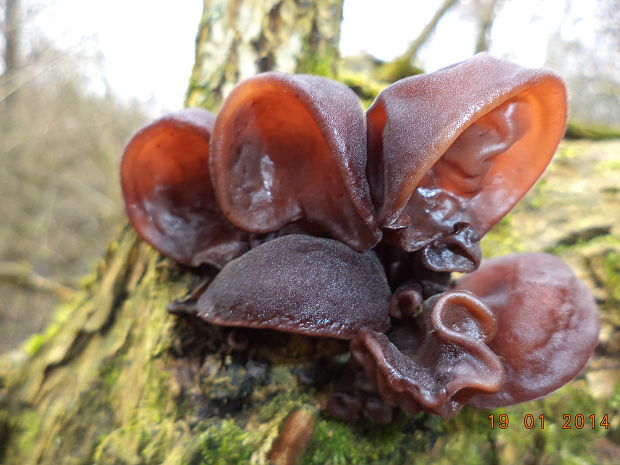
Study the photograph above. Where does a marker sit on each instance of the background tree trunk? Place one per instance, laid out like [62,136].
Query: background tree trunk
[9,27]
[115,379]
[241,38]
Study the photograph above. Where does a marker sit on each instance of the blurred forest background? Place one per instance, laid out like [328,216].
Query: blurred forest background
[60,138]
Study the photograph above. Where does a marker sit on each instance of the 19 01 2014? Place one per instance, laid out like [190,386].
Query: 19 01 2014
[569,421]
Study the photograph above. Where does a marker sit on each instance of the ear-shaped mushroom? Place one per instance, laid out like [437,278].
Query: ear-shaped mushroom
[437,363]
[168,194]
[300,284]
[456,149]
[547,323]
[291,148]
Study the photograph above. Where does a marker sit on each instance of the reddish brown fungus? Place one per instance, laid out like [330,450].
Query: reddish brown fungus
[437,363]
[300,284]
[459,146]
[547,323]
[436,162]
[293,148]
[168,193]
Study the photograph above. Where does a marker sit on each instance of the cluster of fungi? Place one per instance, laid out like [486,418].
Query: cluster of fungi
[326,220]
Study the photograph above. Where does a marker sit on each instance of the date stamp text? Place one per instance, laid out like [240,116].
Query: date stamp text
[568,421]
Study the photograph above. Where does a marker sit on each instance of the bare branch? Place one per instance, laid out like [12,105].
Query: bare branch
[487,16]
[11,32]
[22,275]
[415,46]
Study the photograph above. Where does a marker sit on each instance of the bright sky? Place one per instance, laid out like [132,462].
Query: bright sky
[147,46]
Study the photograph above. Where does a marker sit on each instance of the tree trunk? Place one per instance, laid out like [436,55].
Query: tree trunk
[241,38]
[10,27]
[10,35]
[115,379]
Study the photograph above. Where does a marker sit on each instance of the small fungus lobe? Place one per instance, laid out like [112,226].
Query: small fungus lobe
[547,322]
[438,362]
[168,194]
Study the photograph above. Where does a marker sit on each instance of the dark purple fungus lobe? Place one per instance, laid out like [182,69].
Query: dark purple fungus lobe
[292,148]
[168,194]
[437,362]
[343,406]
[375,409]
[300,284]
[451,152]
[407,270]
[406,301]
[547,323]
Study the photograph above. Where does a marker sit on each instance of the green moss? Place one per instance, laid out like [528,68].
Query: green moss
[26,429]
[605,166]
[366,89]
[319,63]
[63,312]
[399,68]
[502,239]
[285,401]
[5,432]
[224,443]
[340,443]
[583,130]
[148,436]
[613,409]
[566,152]
[552,444]
[109,375]
[599,241]
[612,273]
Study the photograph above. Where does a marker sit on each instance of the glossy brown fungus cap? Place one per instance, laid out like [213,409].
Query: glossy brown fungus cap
[300,284]
[168,194]
[547,323]
[439,361]
[456,149]
[291,148]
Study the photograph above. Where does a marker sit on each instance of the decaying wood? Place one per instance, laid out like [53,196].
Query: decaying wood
[22,275]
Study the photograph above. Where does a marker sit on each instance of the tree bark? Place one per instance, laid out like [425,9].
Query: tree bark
[115,379]
[11,35]
[241,38]
[11,38]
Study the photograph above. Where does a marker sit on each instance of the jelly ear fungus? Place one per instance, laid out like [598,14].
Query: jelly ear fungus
[547,320]
[451,152]
[292,148]
[168,194]
[300,284]
[436,362]
[435,163]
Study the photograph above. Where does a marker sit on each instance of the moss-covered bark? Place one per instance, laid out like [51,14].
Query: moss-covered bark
[117,380]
